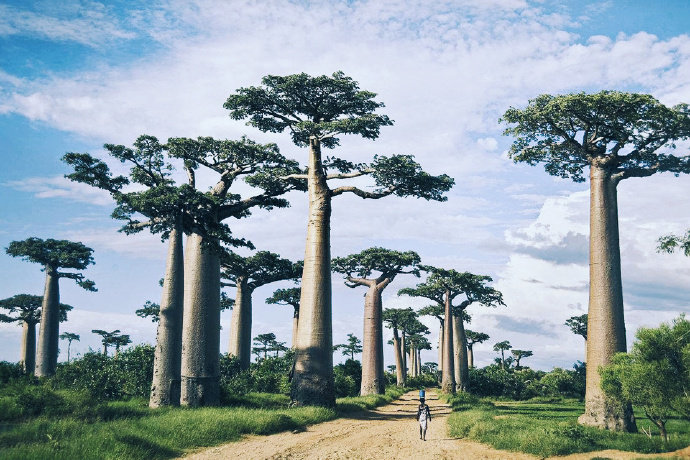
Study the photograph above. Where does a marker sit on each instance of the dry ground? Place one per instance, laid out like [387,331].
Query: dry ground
[389,432]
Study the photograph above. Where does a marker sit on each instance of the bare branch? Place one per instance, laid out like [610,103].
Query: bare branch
[350,175]
[361,193]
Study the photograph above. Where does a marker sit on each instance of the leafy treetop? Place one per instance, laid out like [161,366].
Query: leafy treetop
[475,337]
[620,131]
[578,325]
[262,268]
[352,347]
[502,346]
[323,107]
[670,243]
[69,336]
[397,318]
[289,296]
[442,282]
[54,255]
[27,308]
[388,263]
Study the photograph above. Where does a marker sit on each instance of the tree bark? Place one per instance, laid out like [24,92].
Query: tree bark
[419,362]
[201,325]
[440,348]
[403,352]
[448,380]
[49,331]
[461,371]
[470,356]
[28,351]
[606,324]
[241,325]
[399,366]
[295,324]
[373,381]
[312,382]
[165,386]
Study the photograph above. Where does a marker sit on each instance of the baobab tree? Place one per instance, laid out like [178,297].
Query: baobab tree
[316,111]
[107,338]
[351,348]
[472,338]
[264,343]
[436,311]
[25,309]
[502,347]
[395,318]
[520,354]
[443,286]
[411,328]
[617,136]
[119,342]
[374,268]
[70,337]
[289,296]
[246,274]
[670,243]
[416,343]
[53,255]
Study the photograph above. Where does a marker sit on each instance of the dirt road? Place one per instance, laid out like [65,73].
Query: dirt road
[389,432]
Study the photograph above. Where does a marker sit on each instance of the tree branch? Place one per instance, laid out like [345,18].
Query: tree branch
[350,175]
[361,193]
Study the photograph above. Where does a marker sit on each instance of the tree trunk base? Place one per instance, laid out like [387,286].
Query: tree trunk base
[165,397]
[448,388]
[610,415]
[376,387]
[200,391]
[309,389]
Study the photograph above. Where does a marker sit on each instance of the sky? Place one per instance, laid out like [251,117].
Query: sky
[80,74]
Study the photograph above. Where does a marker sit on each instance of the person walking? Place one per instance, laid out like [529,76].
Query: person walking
[424,417]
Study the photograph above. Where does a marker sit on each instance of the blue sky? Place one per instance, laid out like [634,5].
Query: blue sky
[86,73]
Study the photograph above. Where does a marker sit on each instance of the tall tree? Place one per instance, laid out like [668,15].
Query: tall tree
[472,338]
[416,343]
[520,354]
[70,337]
[53,255]
[502,347]
[289,296]
[107,338]
[246,274]
[316,111]
[261,166]
[25,309]
[374,268]
[670,243]
[395,318]
[120,341]
[411,328]
[437,312]
[443,286]
[264,343]
[617,136]
[351,348]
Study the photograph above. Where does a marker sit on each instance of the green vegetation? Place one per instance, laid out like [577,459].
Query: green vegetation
[549,428]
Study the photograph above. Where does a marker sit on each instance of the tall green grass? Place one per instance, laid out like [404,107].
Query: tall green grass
[117,430]
[550,428]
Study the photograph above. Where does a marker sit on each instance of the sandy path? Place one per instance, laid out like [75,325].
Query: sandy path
[389,432]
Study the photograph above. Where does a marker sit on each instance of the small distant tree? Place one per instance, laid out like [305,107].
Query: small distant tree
[519,354]
[578,326]
[119,342]
[655,375]
[289,296]
[437,312]
[53,255]
[107,338]
[351,348]
[472,338]
[263,343]
[670,243]
[396,319]
[279,347]
[70,337]
[430,367]
[25,309]
[502,347]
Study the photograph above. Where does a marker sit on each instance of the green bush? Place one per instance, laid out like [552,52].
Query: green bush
[269,375]
[348,378]
[11,372]
[493,381]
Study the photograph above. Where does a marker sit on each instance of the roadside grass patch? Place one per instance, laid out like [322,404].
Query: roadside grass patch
[129,429]
[550,428]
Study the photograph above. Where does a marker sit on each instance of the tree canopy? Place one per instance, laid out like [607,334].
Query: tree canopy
[289,296]
[670,243]
[27,308]
[262,268]
[54,255]
[386,263]
[624,131]
[475,337]
[578,325]
[351,348]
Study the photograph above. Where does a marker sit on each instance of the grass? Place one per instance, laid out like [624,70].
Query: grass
[131,430]
[550,428]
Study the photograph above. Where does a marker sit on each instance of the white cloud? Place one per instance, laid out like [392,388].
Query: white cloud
[59,187]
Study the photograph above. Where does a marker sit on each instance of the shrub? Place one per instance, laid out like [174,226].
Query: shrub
[348,378]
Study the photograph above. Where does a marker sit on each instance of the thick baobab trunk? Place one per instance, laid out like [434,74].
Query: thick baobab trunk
[312,382]
[403,352]
[470,356]
[399,365]
[28,352]
[461,372]
[412,365]
[165,387]
[605,324]
[105,349]
[373,381]
[241,325]
[419,362]
[295,324]
[201,325]
[49,332]
[448,379]
[440,348]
